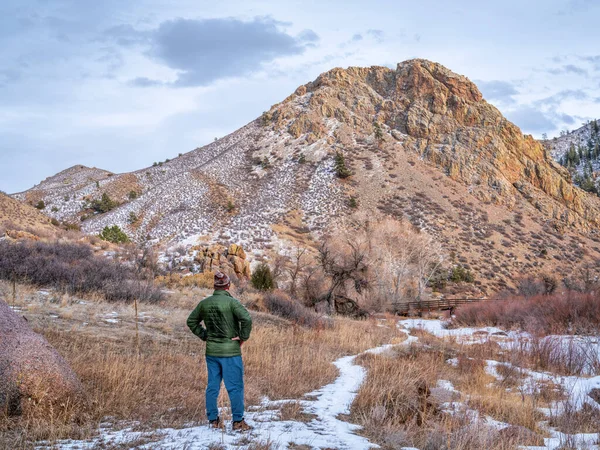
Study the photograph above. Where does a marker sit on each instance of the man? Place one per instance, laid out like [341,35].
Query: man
[227,326]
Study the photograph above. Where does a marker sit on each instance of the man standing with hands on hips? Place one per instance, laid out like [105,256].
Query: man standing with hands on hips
[227,325]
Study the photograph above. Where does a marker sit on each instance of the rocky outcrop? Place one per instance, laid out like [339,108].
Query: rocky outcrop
[230,259]
[425,108]
[32,372]
[237,257]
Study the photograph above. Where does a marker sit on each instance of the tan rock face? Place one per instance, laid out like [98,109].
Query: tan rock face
[31,370]
[441,116]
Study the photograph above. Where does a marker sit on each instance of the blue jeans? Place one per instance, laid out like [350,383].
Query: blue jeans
[231,370]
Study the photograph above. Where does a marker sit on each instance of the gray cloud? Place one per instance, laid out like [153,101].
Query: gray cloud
[568,68]
[532,120]
[357,37]
[376,34]
[594,60]
[145,82]
[308,36]
[501,91]
[125,35]
[203,51]
[556,99]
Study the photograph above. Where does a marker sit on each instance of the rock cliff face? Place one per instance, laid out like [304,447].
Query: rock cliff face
[442,118]
[422,145]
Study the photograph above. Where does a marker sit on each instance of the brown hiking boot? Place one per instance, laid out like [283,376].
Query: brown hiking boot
[241,426]
[217,423]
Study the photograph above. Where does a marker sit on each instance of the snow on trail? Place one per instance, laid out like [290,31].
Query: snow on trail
[324,431]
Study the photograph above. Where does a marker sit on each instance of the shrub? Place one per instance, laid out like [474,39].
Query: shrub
[133,218]
[459,274]
[132,195]
[40,205]
[341,170]
[262,278]
[377,131]
[278,303]
[530,286]
[352,202]
[72,226]
[200,280]
[72,268]
[302,159]
[572,312]
[113,234]
[230,206]
[103,205]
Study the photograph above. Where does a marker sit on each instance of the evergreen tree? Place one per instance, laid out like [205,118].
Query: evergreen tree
[378,131]
[103,205]
[262,278]
[114,234]
[341,170]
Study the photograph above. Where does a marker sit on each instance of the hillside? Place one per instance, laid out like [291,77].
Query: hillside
[423,147]
[579,152]
[15,215]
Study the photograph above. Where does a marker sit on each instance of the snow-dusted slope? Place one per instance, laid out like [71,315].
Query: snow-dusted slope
[560,145]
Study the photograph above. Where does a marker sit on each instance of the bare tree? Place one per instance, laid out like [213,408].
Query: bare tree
[349,263]
[427,259]
[299,262]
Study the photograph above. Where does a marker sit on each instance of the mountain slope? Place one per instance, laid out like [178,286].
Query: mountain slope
[16,215]
[579,152]
[423,146]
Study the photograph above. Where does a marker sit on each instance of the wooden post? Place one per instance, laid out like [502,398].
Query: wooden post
[14,286]
[137,333]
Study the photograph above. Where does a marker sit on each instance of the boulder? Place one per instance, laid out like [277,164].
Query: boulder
[32,372]
[236,250]
[238,264]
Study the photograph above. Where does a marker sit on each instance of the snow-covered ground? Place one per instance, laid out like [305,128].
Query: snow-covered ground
[577,389]
[326,430]
[327,404]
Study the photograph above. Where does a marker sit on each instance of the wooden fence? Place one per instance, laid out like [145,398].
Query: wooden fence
[433,305]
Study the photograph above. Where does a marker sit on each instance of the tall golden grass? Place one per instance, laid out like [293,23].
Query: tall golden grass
[162,384]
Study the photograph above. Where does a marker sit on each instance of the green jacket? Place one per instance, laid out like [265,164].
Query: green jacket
[224,318]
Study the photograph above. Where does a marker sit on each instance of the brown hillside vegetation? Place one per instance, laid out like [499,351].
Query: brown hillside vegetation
[419,145]
[16,215]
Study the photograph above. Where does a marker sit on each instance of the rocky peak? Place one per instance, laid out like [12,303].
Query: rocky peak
[425,108]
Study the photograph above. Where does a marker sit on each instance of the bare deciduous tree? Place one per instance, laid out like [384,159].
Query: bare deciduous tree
[299,262]
[349,262]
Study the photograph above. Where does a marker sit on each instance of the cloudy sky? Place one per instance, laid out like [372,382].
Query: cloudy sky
[120,84]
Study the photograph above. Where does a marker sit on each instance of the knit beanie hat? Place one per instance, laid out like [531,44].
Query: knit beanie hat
[221,280]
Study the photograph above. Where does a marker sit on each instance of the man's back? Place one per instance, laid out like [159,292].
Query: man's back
[225,318]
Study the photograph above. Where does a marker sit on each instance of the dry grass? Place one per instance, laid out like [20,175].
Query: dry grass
[15,215]
[572,312]
[396,409]
[163,384]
